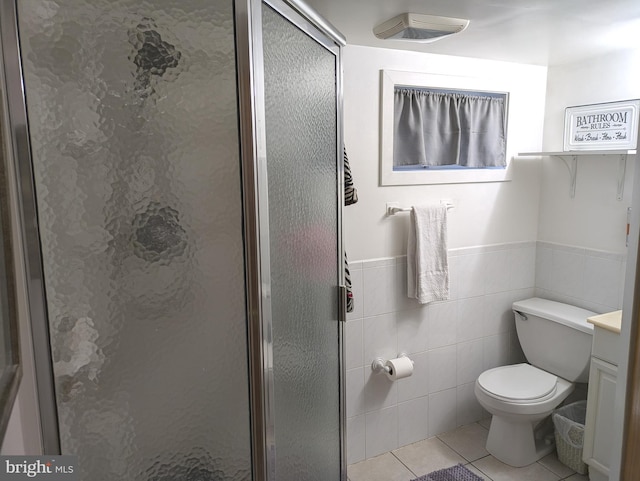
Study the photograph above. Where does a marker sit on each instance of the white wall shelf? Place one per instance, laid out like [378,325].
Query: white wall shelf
[572,164]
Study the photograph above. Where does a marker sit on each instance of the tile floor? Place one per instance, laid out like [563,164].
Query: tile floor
[465,445]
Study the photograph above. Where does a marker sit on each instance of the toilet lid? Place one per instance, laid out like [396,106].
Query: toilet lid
[519,382]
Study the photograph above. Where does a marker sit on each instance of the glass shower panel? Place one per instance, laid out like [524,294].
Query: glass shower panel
[133,122]
[300,104]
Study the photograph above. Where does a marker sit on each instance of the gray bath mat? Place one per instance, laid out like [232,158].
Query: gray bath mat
[454,473]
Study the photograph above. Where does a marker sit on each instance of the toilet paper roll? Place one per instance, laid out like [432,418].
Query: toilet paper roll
[399,368]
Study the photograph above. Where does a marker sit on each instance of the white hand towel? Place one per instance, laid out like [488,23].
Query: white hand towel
[427,263]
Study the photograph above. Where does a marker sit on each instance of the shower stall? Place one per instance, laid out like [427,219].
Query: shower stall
[181,179]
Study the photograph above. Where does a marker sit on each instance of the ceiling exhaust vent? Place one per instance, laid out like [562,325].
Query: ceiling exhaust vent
[415,27]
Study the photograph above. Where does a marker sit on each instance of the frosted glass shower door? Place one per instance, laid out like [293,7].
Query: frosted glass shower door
[300,89]
[134,132]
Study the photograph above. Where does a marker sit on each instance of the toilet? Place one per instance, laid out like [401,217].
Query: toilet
[556,340]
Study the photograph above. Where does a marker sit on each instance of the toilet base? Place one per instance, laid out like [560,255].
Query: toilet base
[520,443]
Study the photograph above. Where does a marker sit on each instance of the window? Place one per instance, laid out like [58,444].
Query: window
[448,129]
[442,129]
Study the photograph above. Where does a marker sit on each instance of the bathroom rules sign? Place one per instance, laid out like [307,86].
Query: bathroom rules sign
[610,126]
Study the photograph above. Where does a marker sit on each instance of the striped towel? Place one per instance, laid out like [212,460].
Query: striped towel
[350,197]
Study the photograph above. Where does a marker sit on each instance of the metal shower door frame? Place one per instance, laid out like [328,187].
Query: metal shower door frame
[251,100]
[28,212]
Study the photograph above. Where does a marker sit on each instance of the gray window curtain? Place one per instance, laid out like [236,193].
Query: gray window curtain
[440,129]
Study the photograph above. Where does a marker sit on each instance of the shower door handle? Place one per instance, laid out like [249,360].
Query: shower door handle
[342,303]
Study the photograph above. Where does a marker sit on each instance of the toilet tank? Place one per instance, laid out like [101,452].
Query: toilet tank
[555,337]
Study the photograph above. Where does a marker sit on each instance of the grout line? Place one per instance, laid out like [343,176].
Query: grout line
[481,469]
[400,461]
[451,447]
[555,474]
[483,473]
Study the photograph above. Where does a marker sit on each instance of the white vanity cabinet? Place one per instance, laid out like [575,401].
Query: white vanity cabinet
[601,394]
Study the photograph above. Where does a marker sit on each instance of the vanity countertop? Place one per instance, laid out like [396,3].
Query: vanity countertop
[610,321]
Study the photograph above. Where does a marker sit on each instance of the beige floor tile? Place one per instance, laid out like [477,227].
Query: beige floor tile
[381,468]
[475,470]
[498,471]
[428,455]
[553,464]
[577,477]
[468,441]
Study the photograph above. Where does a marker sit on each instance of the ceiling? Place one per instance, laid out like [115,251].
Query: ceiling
[541,32]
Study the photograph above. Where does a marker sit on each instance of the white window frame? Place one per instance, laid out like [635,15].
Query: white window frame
[392,78]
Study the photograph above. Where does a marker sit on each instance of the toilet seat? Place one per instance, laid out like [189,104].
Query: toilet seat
[518,383]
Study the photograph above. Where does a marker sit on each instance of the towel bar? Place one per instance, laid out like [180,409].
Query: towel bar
[393,208]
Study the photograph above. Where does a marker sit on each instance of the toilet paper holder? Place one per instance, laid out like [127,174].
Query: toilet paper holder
[379,365]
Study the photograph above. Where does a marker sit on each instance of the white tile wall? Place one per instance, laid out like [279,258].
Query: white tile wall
[452,342]
[522,266]
[586,278]
[470,319]
[442,368]
[496,350]
[381,431]
[379,284]
[355,439]
[380,337]
[442,411]
[413,422]
[413,330]
[468,273]
[354,381]
[467,408]
[441,330]
[354,355]
[470,361]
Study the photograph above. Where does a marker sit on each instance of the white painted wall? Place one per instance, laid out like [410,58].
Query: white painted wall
[594,218]
[486,213]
